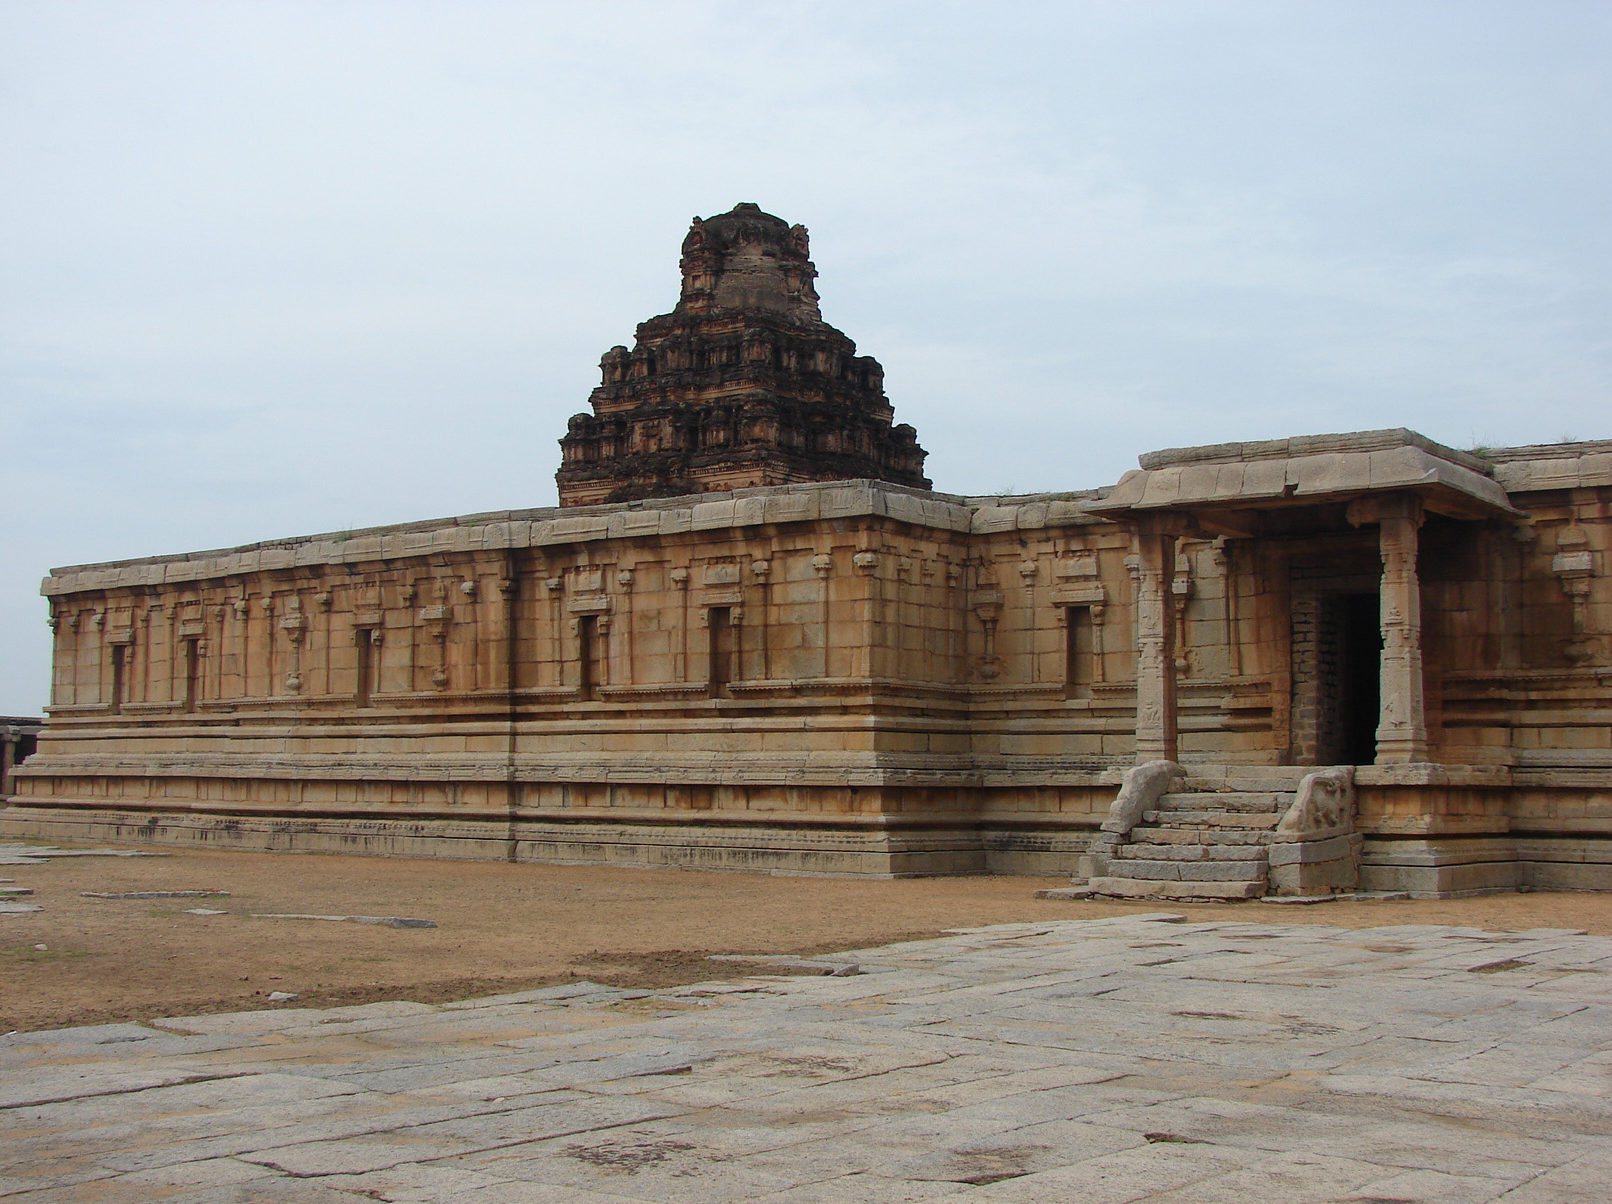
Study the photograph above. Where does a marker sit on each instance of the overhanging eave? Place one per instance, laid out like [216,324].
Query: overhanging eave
[1218,489]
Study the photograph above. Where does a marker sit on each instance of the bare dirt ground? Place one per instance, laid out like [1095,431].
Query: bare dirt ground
[511,927]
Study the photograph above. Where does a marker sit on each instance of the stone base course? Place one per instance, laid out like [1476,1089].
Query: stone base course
[873,848]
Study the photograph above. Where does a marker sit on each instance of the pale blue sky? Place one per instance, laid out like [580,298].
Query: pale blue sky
[273,269]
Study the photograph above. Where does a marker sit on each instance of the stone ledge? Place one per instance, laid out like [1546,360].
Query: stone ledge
[768,848]
[1185,871]
[1133,888]
[548,526]
[1309,852]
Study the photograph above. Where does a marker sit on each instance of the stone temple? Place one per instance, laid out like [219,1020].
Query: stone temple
[752,637]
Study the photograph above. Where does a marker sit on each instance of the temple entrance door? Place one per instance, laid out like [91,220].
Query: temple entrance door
[1350,671]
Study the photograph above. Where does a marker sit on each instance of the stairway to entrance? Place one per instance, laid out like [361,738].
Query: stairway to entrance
[1209,838]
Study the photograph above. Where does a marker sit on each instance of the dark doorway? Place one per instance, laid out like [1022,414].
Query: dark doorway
[1351,669]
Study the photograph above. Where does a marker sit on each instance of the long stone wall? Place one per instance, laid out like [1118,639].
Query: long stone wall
[849,677]
[780,678]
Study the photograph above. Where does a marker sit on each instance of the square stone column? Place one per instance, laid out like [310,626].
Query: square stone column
[1155,647]
[1402,722]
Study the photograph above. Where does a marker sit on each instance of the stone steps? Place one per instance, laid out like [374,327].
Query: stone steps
[1191,852]
[1227,800]
[1204,841]
[1192,871]
[1140,888]
[1213,819]
[1283,778]
[1220,837]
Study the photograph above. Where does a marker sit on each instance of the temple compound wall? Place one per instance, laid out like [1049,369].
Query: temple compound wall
[865,678]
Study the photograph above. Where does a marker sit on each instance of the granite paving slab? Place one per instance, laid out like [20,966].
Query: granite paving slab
[1136,1058]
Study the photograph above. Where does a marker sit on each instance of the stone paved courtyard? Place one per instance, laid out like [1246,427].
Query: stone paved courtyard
[1134,1058]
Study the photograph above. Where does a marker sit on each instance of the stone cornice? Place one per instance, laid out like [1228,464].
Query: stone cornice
[552,527]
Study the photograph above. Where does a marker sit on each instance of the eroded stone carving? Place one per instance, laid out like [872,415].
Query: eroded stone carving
[742,384]
[1315,849]
[1325,806]
[1141,788]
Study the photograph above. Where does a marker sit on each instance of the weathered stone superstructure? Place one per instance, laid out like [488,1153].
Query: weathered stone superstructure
[1297,665]
[742,384]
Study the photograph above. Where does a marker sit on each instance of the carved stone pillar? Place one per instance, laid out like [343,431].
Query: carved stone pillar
[1402,731]
[1155,651]
[1402,723]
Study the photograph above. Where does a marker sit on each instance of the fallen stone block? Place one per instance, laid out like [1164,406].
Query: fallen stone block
[1134,888]
[153,894]
[384,921]
[1066,892]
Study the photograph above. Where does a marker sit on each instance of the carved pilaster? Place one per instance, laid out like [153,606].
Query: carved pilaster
[1574,566]
[1155,651]
[295,625]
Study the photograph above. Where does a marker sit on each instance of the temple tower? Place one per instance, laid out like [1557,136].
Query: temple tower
[742,384]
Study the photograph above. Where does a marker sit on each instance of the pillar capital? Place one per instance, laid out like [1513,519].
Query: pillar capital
[1384,508]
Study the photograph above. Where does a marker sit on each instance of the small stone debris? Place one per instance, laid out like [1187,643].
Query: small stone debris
[30,854]
[281,996]
[153,894]
[1359,896]
[204,911]
[809,964]
[1066,893]
[8,892]
[383,921]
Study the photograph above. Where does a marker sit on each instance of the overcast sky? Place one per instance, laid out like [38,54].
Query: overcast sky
[272,269]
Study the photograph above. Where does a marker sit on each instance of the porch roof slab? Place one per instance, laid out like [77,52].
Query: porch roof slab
[1280,473]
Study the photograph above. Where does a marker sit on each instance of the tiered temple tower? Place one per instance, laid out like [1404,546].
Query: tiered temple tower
[742,384]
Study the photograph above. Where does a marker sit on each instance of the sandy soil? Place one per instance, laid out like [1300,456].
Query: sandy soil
[506,927]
